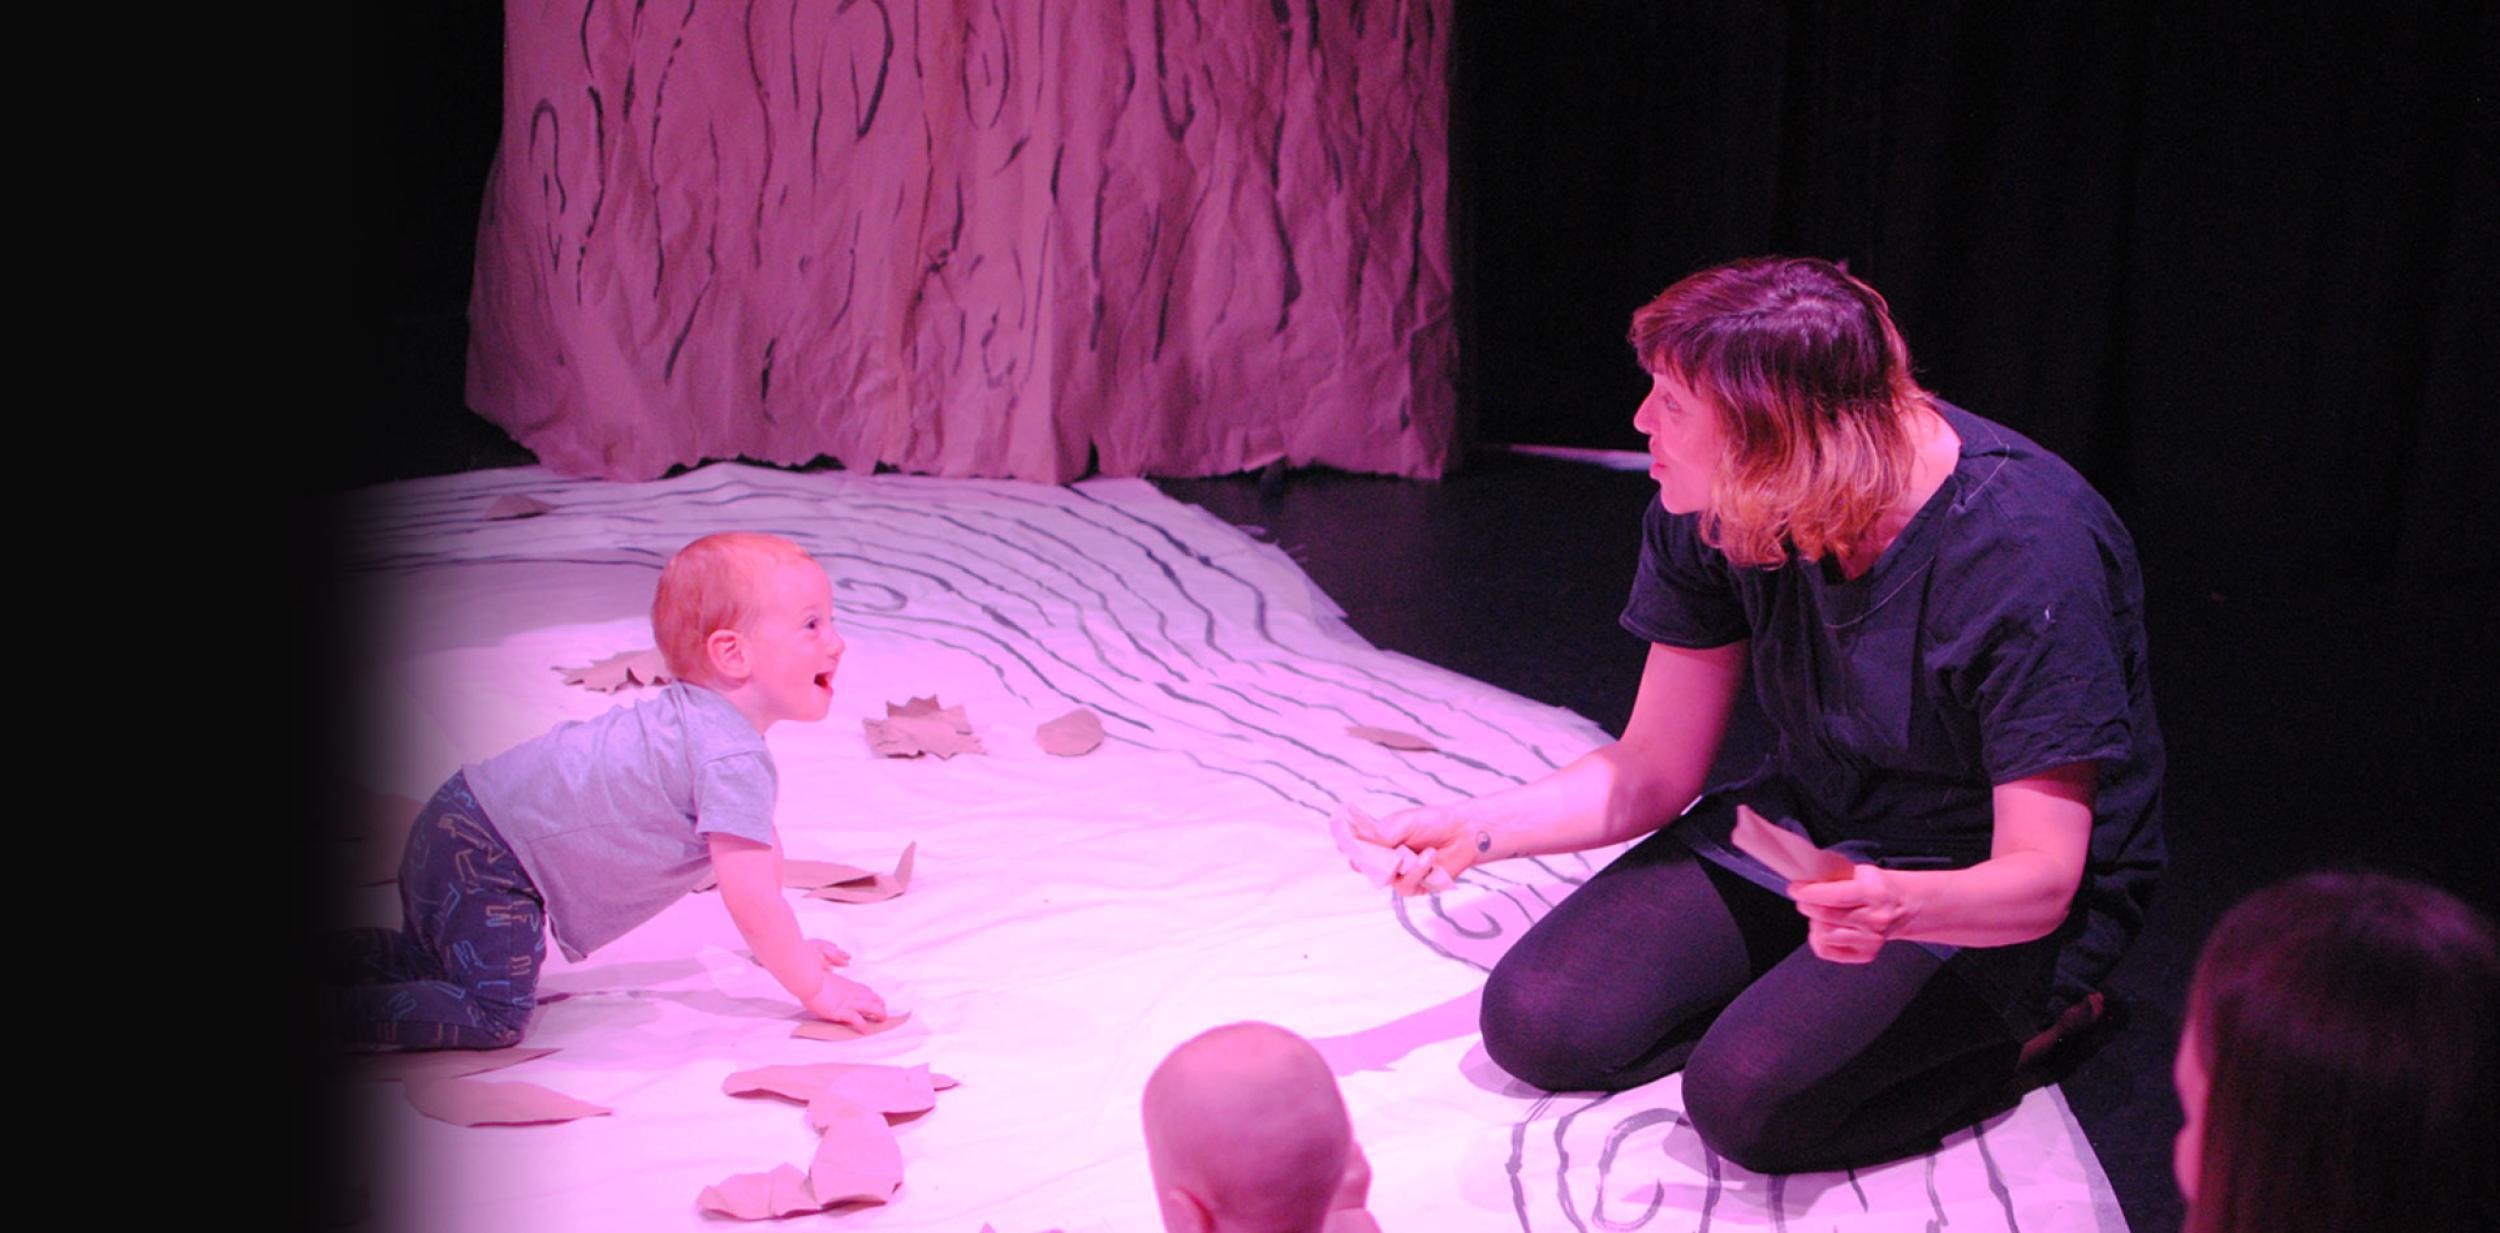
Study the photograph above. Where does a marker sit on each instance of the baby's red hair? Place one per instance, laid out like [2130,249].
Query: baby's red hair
[707,587]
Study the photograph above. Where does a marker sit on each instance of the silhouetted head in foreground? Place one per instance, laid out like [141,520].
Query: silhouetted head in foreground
[2337,1067]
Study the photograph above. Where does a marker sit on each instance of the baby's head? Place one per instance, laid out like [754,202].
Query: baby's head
[750,616]
[1245,1131]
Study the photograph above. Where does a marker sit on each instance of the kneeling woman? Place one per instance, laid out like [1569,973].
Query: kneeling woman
[1944,624]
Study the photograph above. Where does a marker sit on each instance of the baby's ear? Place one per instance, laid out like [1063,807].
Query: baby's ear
[727,653]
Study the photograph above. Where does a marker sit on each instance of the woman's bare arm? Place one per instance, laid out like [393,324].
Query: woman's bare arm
[1617,792]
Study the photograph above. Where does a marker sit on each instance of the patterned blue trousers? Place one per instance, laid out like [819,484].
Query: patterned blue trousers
[462,970]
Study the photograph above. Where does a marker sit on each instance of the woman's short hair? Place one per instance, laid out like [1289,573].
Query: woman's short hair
[708,586]
[1813,386]
[2347,1024]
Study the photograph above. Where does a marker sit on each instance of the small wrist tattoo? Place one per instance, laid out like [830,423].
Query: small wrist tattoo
[1484,842]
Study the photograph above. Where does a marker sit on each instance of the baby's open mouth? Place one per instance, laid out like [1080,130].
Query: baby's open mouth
[824,680]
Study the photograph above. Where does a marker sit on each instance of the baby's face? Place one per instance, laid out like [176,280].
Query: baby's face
[791,644]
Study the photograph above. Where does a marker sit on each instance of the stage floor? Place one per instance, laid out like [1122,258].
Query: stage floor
[1070,919]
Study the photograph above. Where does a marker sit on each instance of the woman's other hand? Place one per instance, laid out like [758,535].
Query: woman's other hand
[1849,919]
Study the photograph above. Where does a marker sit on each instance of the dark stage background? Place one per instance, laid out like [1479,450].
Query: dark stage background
[2236,262]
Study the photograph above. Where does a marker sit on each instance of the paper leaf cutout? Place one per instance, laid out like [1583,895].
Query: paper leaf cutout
[1790,855]
[885,1089]
[893,1090]
[643,667]
[1380,864]
[514,505]
[1071,735]
[761,1196]
[808,875]
[910,736]
[877,887]
[858,1161]
[921,726]
[823,1029]
[419,1065]
[813,874]
[943,1082]
[1393,738]
[475,1102]
[800,1082]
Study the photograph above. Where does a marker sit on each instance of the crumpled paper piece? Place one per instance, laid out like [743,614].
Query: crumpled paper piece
[1381,864]
[760,1196]
[921,726]
[857,1161]
[476,1102]
[1071,735]
[643,667]
[1393,738]
[874,887]
[893,1090]
[836,881]
[515,505]
[1790,855]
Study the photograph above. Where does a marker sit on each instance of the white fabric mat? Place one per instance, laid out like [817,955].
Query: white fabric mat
[1070,920]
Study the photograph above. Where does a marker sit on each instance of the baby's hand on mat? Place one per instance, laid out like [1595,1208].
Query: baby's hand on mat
[847,1002]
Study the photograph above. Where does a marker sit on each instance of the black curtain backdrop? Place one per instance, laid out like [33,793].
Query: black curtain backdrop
[2233,261]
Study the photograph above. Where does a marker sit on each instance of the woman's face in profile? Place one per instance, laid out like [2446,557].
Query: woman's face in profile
[2187,1074]
[1684,443]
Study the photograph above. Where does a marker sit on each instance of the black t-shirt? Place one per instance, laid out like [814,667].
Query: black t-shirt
[2000,635]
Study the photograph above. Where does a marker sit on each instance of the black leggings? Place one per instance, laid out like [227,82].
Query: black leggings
[1666,961]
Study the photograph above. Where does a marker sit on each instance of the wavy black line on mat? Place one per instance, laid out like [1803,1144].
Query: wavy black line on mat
[945,560]
[1612,1150]
[1178,696]
[890,626]
[1103,599]
[1518,1160]
[1374,784]
[984,660]
[1040,677]
[1996,1180]
[1163,623]
[1259,622]
[1107,690]
[732,490]
[1083,625]
[1397,904]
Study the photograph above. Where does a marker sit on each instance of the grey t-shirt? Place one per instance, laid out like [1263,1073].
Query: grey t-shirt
[609,814]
